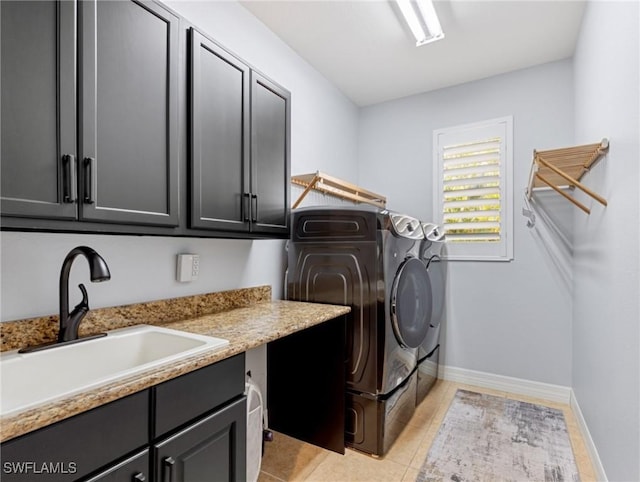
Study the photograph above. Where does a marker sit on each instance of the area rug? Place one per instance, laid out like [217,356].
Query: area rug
[488,438]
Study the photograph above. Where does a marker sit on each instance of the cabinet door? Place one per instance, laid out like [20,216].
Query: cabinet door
[270,156]
[212,449]
[38,133]
[219,106]
[129,140]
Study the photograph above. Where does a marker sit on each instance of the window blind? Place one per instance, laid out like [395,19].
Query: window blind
[472,189]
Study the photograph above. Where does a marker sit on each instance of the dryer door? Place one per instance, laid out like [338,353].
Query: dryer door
[411,303]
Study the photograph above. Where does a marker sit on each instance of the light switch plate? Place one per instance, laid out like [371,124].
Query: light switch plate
[188,267]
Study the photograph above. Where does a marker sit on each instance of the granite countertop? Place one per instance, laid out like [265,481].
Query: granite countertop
[245,328]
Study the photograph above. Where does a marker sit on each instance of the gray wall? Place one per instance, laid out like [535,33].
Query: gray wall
[518,325]
[324,136]
[606,363]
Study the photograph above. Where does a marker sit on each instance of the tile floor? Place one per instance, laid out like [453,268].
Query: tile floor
[287,459]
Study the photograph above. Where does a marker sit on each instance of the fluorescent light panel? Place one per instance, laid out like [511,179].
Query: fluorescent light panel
[422,19]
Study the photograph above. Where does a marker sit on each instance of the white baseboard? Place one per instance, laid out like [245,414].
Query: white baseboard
[544,391]
[591,447]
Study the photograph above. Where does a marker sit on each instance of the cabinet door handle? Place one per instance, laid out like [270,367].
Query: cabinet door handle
[246,207]
[167,472]
[254,211]
[90,183]
[69,183]
[139,477]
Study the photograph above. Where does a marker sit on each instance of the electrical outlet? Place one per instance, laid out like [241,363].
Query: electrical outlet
[187,267]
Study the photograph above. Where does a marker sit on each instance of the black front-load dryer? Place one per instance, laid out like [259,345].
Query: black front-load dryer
[368,259]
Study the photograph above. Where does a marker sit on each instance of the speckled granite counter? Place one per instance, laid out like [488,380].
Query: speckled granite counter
[245,328]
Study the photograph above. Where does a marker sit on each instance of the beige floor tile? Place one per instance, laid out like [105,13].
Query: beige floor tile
[290,459]
[357,467]
[423,448]
[580,453]
[266,477]
[410,475]
[443,406]
[426,410]
[406,445]
[585,468]
[432,429]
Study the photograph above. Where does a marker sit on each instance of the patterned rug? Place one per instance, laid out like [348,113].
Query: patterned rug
[487,438]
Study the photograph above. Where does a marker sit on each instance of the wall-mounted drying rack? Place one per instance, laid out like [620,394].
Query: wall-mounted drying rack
[333,186]
[562,168]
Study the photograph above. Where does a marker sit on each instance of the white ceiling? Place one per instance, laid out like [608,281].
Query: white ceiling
[365,49]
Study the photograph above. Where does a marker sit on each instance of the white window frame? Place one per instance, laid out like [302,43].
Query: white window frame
[502,127]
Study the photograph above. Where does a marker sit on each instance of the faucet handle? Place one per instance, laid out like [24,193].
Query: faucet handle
[85,298]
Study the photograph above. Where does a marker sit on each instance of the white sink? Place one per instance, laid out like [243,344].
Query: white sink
[30,379]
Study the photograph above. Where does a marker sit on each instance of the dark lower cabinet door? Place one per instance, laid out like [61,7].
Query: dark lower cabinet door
[133,469]
[129,169]
[219,106]
[213,449]
[270,156]
[38,102]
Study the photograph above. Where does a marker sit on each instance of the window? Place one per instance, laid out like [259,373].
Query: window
[473,197]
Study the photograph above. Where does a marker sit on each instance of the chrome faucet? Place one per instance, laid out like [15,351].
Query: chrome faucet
[99,271]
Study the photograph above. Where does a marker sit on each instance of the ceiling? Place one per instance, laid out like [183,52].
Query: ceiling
[365,49]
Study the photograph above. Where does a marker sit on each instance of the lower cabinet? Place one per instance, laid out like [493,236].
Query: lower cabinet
[191,429]
[208,450]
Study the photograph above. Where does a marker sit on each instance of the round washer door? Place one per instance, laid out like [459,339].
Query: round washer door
[411,303]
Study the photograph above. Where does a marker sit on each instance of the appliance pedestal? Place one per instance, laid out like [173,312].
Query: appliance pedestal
[374,423]
[427,372]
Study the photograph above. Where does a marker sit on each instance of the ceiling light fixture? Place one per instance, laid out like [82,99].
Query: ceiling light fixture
[422,19]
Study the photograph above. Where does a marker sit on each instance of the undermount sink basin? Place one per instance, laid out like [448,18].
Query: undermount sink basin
[30,379]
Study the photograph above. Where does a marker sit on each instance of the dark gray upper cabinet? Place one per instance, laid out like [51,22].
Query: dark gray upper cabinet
[219,107]
[125,127]
[129,170]
[270,156]
[240,154]
[38,55]
[97,135]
